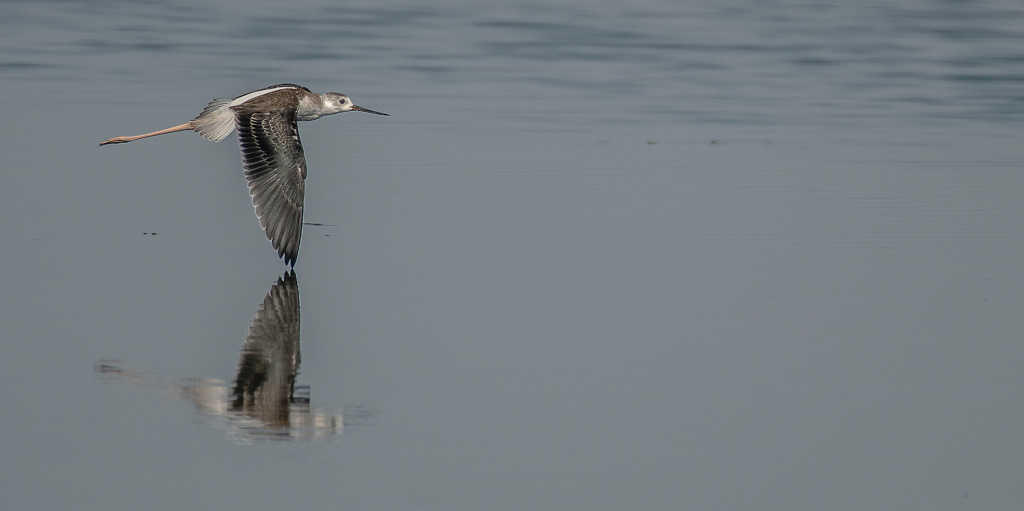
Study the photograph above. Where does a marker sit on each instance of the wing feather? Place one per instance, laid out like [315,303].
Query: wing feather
[275,169]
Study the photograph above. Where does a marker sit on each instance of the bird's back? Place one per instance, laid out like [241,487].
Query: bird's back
[217,120]
[277,98]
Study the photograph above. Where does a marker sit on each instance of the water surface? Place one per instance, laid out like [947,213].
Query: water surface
[721,255]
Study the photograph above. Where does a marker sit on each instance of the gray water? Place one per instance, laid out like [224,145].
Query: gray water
[716,255]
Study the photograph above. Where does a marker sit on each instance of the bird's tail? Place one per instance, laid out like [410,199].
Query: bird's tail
[217,120]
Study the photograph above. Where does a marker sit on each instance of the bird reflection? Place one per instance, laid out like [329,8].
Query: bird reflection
[264,404]
[265,385]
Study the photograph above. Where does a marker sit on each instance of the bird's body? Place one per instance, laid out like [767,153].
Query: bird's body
[272,156]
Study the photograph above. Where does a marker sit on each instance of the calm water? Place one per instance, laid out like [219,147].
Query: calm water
[722,255]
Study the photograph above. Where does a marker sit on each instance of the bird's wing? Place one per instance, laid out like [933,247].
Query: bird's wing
[275,169]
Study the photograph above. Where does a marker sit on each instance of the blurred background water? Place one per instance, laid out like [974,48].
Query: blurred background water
[602,255]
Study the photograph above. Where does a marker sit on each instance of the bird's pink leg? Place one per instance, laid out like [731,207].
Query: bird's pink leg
[122,140]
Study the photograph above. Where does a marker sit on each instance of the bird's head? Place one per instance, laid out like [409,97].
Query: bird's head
[335,102]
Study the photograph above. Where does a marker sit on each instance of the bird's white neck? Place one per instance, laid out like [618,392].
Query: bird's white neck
[311,107]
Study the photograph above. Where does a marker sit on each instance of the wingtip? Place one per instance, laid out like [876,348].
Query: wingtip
[289,259]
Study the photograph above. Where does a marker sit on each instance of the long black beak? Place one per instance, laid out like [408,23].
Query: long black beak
[367,110]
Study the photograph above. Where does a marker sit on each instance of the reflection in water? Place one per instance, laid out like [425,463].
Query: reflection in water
[270,357]
[264,403]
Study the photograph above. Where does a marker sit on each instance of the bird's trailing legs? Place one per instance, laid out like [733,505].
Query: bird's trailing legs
[122,140]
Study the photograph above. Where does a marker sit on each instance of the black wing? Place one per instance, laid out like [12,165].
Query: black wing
[275,168]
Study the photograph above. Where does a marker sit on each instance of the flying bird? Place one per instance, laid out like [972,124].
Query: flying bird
[272,157]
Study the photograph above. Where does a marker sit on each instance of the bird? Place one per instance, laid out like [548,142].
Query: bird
[272,156]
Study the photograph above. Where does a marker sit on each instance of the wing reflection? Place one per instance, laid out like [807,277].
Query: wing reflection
[264,404]
[270,357]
